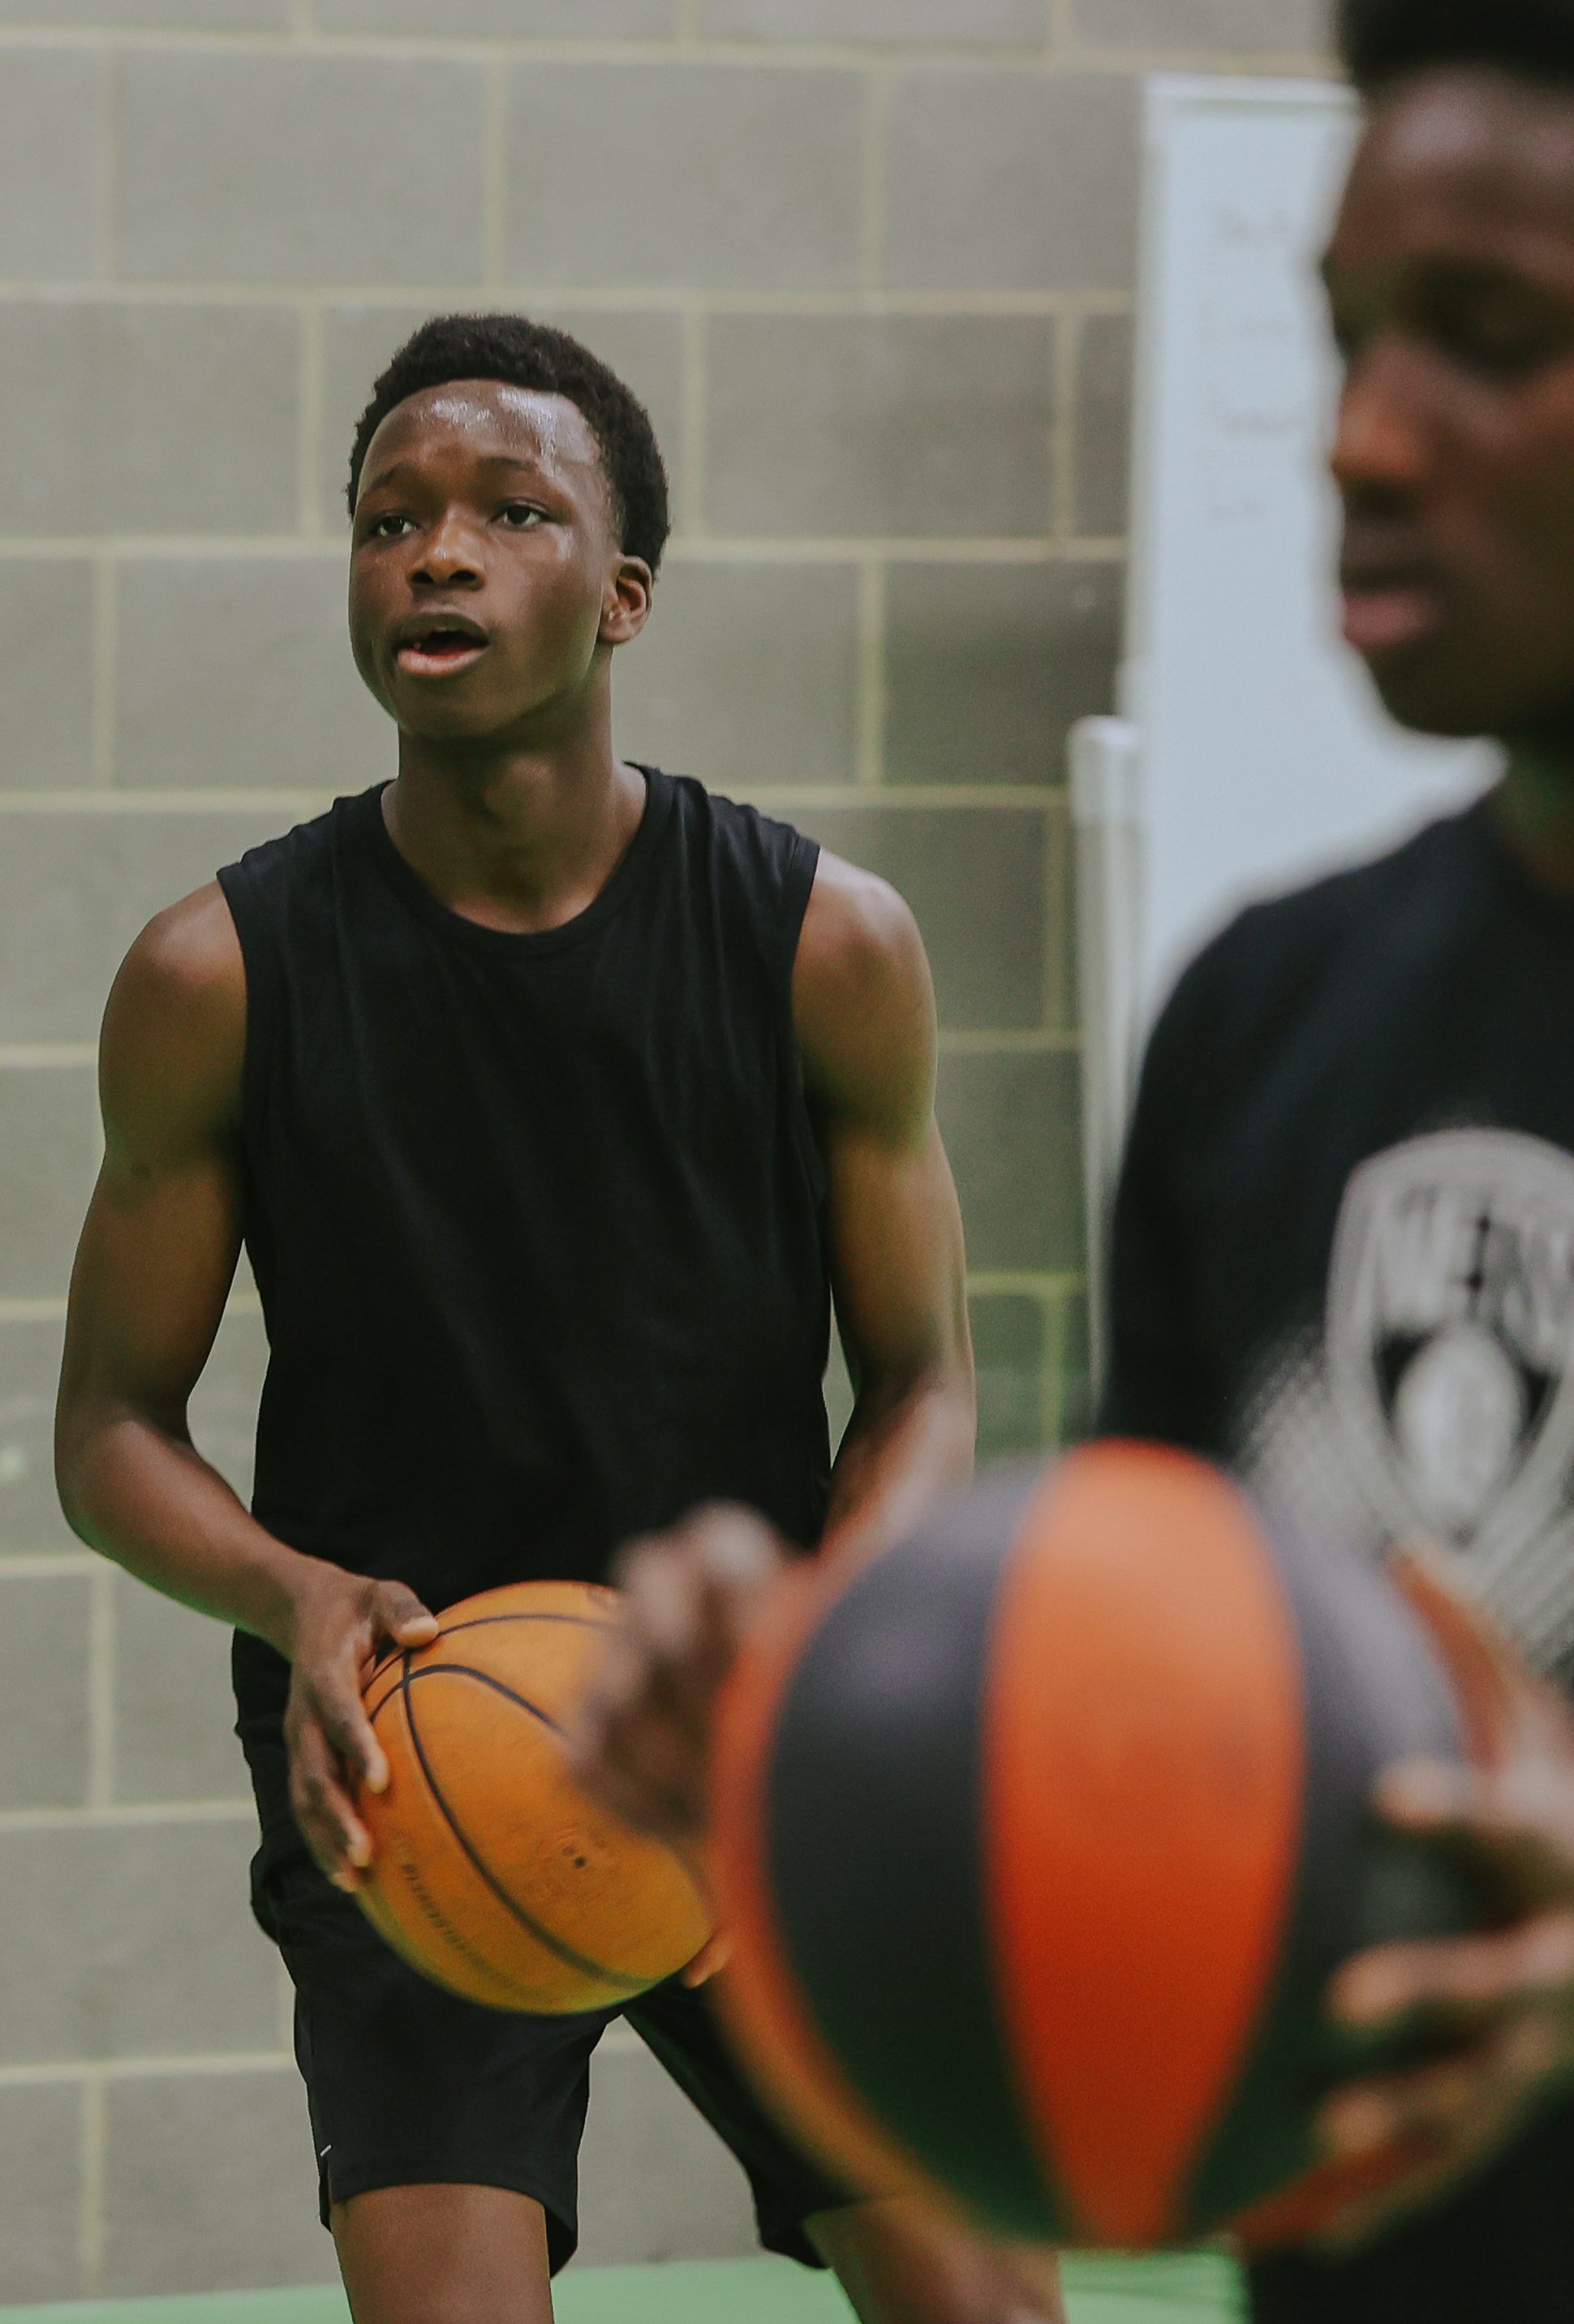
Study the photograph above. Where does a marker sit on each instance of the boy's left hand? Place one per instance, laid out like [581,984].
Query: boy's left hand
[641,1741]
[1501,2000]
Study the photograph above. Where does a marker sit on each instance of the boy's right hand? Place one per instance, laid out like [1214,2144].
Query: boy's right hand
[343,1623]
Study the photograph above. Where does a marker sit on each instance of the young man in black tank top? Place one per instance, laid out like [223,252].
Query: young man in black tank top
[550,1096]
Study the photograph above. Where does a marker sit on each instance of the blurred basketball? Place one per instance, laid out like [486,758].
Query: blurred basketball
[1040,1838]
[491,1873]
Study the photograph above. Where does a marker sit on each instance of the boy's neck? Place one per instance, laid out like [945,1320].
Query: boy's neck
[520,838]
[1532,807]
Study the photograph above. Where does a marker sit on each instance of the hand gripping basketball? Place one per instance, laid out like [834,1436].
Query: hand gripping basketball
[1041,1837]
[490,1871]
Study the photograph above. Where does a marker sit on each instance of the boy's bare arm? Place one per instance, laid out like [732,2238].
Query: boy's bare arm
[153,1269]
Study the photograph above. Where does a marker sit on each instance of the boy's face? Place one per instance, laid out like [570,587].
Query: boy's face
[486,579]
[1451,277]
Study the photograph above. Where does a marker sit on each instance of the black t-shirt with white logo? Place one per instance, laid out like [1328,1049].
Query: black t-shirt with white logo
[1344,1238]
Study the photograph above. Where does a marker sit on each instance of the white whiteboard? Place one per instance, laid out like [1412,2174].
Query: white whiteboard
[1252,753]
[1264,757]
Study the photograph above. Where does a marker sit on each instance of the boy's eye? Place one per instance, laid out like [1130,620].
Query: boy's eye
[520,516]
[391,527]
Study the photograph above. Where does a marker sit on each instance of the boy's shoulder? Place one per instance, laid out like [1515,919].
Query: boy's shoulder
[1362,927]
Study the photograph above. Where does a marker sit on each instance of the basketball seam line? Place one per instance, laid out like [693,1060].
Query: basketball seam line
[565,1953]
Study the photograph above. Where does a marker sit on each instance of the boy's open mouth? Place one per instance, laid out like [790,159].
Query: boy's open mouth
[441,648]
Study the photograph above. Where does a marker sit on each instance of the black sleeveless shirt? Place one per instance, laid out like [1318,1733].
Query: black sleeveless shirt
[536,1221]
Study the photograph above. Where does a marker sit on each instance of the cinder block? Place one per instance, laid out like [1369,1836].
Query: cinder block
[1010,1349]
[745,178]
[975,878]
[1011,1127]
[1291,26]
[981,24]
[747,674]
[40,2192]
[299,169]
[988,666]
[174,1709]
[238,671]
[1103,424]
[224,1409]
[583,20]
[49,163]
[645,350]
[30,1368]
[656,2182]
[48,1162]
[210,2186]
[131,1939]
[46,673]
[157,419]
[931,426]
[1002,180]
[75,888]
[43,1684]
[166,15]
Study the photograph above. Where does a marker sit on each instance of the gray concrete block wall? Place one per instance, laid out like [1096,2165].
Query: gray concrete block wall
[869,261]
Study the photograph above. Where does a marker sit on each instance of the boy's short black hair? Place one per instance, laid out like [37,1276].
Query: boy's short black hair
[1380,40]
[534,355]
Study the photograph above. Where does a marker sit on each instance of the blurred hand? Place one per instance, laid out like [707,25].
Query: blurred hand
[1500,2003]
[343,1624]
[641,1742]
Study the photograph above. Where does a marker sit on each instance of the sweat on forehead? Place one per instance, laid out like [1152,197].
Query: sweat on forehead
[490,415]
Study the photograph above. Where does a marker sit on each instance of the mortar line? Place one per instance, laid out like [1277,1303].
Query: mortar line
[494,176]
[877,96]
[1052,1396]
[95,2142]
[101,1691]
[102,2071]
[131,1815]
[1060,905]
[105,669]
[920,797]
[1011,1282]
[604,298]
[309,429]
[695,423]
[1037,1041]
[301,31]
[868,765]
[1066,360]
[795,548]
[798,57]
[17,1054]
[46,1565]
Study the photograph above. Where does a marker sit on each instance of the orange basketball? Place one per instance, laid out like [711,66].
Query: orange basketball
[492,1872]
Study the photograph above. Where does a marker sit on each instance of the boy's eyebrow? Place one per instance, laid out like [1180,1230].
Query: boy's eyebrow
[487,460]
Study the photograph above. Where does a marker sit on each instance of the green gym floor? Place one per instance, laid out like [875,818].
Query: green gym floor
[1188,2291]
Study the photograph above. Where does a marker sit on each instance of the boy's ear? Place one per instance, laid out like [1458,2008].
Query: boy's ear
[626,606]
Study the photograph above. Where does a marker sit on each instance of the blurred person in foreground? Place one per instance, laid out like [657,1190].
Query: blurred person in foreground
[1344,1242]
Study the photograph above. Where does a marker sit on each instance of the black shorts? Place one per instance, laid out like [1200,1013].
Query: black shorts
[409,2085]
[1499,2251]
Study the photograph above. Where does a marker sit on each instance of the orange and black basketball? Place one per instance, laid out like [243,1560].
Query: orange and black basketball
[491,1873]
[1041,1837]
